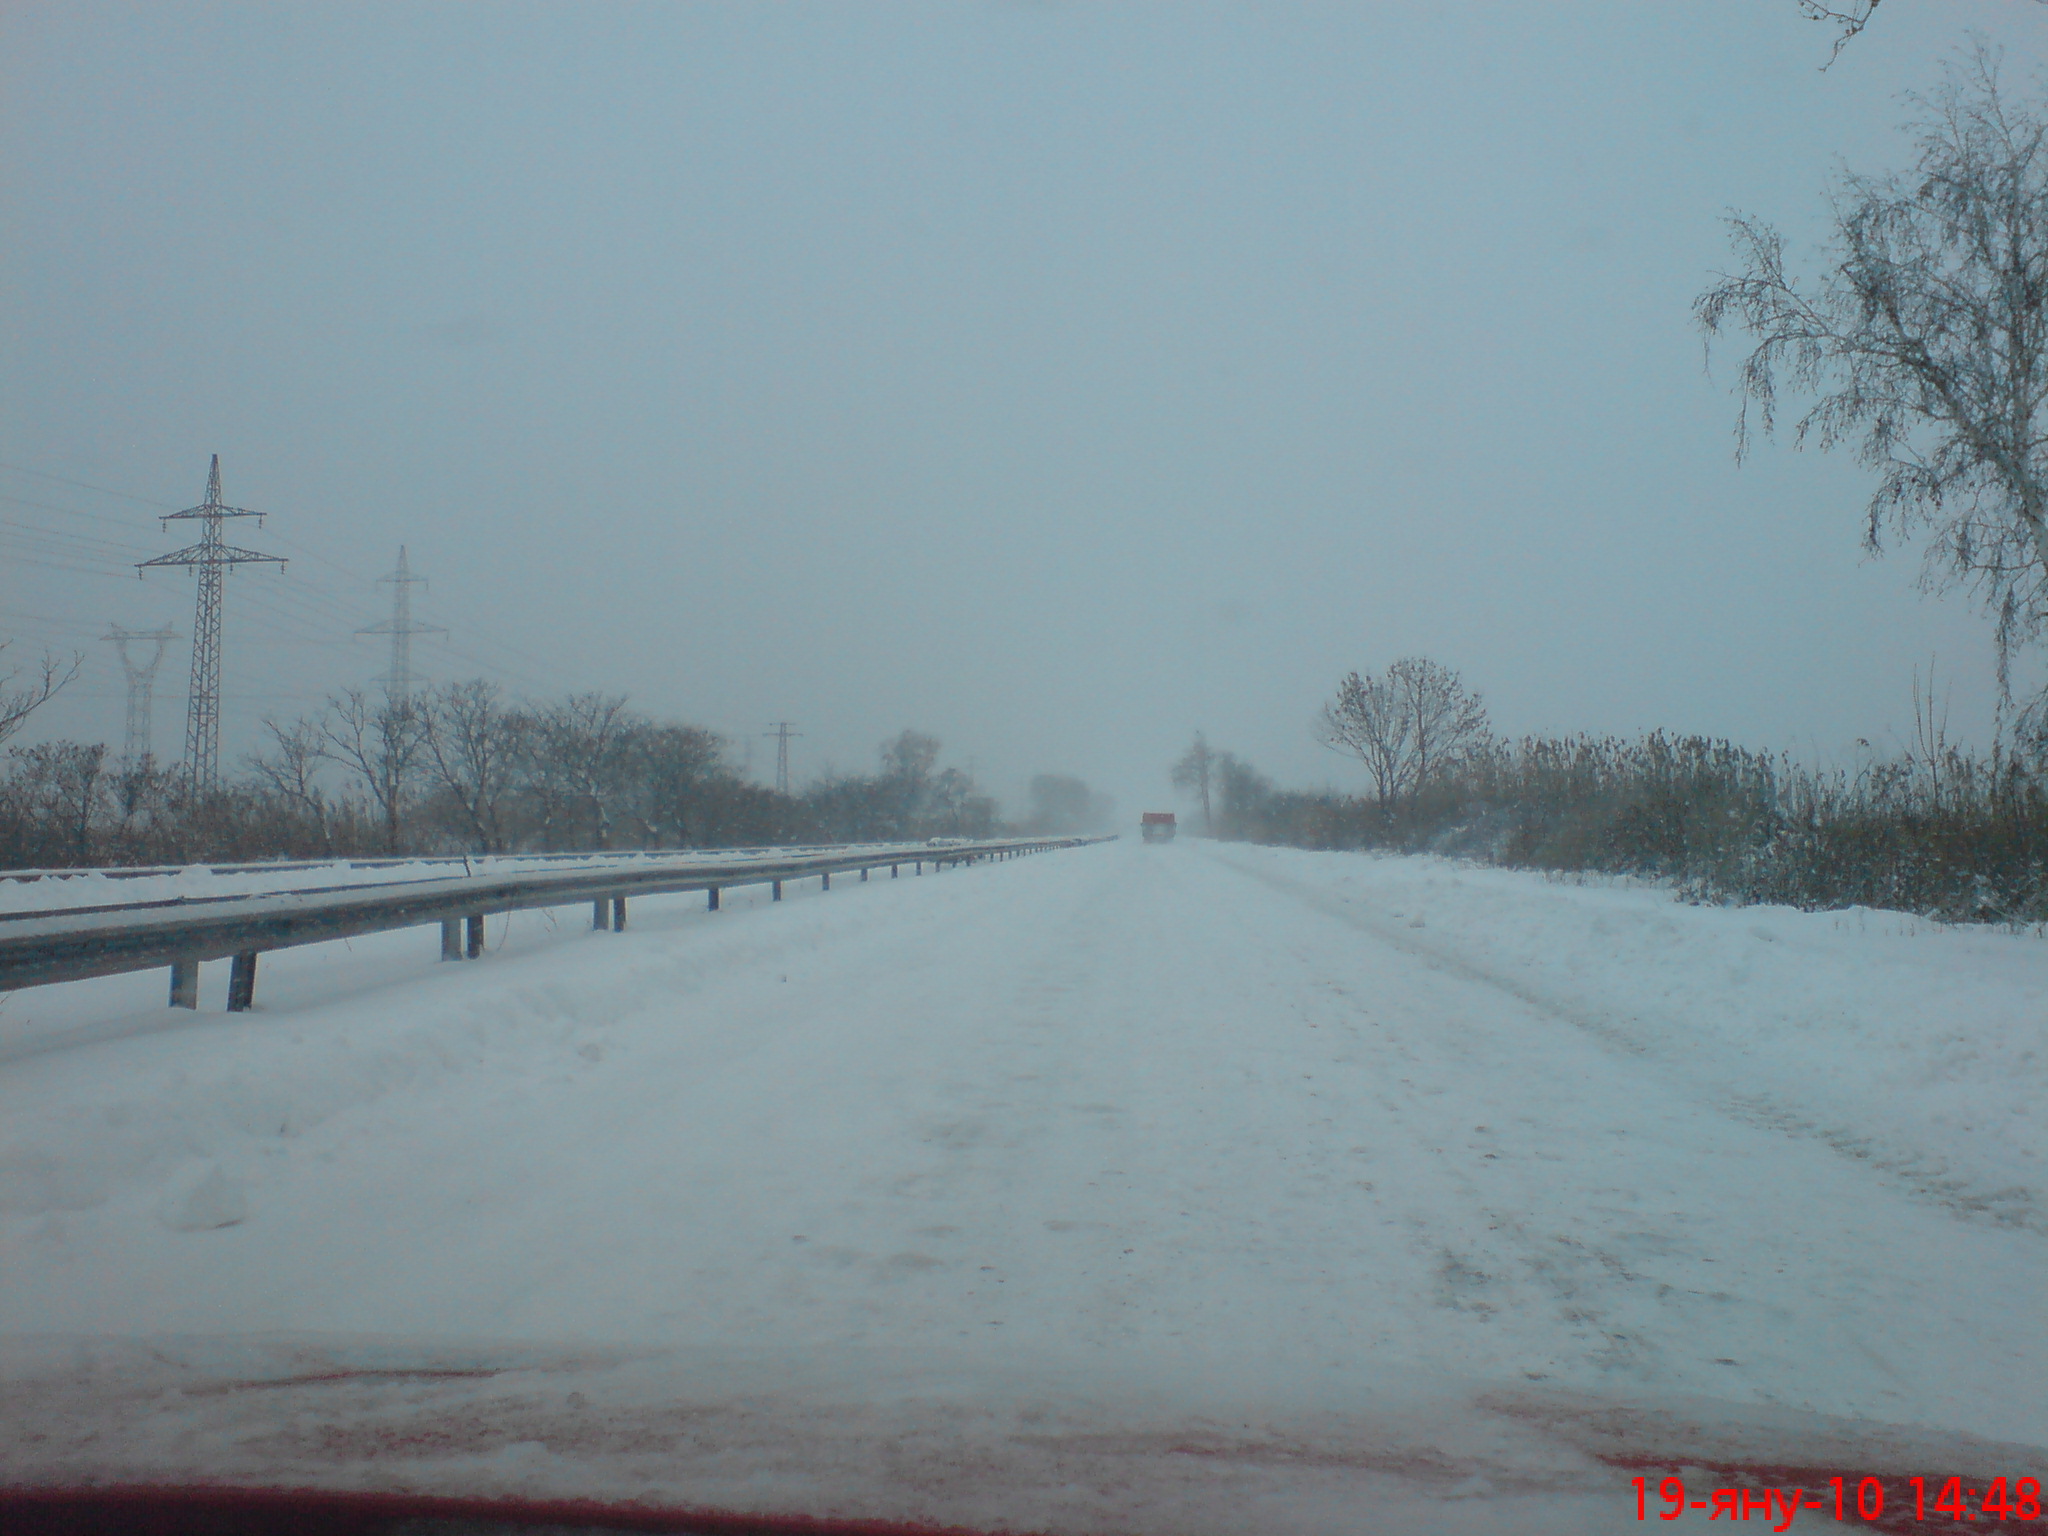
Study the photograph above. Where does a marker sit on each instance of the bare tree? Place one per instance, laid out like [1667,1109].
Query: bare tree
[1062,806]
[1243,792]
[52,794]
[1406,725]
[909,760]
[380,744]
[27,689]
[1925,344]
[292,772]
[675,769]
[1194,773]
[472,751]
[953,805]
[910,757]
[579,751]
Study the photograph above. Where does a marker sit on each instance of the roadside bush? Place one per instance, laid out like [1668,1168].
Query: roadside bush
[1945,833]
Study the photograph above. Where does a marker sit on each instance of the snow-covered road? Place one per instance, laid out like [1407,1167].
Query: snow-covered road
[1421,1169]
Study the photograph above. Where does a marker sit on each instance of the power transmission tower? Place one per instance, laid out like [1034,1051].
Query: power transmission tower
[783,736]
[398,682]
[209,557]
[141,685]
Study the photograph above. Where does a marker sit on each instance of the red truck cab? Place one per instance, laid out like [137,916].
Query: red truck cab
[1156,826]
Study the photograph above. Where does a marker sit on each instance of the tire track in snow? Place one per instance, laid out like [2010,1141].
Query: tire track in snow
[1911,1171]
[1453,1209]
[1676,1246]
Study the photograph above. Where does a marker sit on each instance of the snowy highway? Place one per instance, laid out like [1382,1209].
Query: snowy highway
[1193,1188]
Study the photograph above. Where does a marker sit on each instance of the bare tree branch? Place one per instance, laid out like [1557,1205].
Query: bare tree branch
[1851,22]
[292,773]
[1923,346]
[19,700]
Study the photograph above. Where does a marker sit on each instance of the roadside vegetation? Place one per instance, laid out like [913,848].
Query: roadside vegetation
[1920,346]
[462,769]
[1937,829]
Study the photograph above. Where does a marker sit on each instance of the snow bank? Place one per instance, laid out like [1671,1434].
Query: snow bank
[1920,1046]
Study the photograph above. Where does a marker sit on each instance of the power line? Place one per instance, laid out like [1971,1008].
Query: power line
[489,651]
[141,684]
[74,570]
[782,734]
[210,556]
[84,485]
[57,533]
[398,682]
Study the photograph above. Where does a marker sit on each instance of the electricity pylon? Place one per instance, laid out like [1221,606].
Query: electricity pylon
[398,682]
[141,686]
[783,736]
[209,557]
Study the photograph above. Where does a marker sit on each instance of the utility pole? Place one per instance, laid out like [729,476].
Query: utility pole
[783,736]
[398,682]
[141,685]
[209,557]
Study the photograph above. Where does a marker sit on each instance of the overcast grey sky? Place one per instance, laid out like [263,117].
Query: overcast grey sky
[1052,378]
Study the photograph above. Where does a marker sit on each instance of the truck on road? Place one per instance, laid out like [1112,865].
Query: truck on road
[1156,826]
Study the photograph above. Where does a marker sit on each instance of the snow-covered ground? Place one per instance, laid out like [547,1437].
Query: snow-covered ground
[1195,1188]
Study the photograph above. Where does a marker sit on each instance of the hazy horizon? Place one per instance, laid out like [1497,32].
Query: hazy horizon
[1055,380]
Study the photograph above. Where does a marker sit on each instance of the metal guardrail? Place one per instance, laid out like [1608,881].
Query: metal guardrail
[41,948]
[388,861]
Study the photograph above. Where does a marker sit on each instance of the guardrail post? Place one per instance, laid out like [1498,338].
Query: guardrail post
[600,919]
[618,914]
[451,938]
[242,982]
[475,947]
[184,983]
[711,902]
[776,887]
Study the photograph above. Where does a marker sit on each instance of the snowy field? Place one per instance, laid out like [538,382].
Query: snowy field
[1191,1188]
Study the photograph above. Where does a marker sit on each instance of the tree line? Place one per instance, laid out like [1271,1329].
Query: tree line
[1936,829]
[465,769]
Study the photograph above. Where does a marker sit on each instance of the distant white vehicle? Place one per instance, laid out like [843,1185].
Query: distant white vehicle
[945,842]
